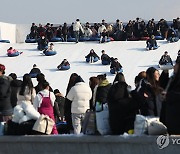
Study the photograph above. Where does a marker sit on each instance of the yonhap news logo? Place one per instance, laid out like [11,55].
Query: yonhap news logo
[163,141]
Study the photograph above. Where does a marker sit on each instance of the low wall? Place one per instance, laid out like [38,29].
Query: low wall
[70,144]
[22,30]
[8,32]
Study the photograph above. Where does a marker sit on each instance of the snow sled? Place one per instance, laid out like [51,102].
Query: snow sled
[30,40]
[71,39]
[64,67]
[4,41]
[105,62]
[50,53]
[56,39]
[166,67]
[33,75]
[13,54]
[150,47]
[103,40]
[62,127]
[83,39]
[172,39]
[159,37]
[112,71]
[94,59]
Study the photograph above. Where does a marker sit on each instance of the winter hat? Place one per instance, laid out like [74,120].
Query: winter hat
[2,68]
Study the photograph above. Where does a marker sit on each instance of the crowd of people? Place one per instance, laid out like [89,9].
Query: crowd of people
[155,95]
[134,30]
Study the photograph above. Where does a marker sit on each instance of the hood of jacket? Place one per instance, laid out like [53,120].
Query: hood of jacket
[104,83]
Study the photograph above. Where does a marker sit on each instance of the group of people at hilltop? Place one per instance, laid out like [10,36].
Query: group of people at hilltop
[133,30]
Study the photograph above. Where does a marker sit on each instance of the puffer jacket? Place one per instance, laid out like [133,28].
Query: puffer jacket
[80,96]
[24,112]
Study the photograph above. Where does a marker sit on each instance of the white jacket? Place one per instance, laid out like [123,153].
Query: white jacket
[77,27]
[101,29]
[80,95]
[24,112]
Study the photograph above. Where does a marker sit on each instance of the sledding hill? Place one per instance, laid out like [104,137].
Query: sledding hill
[132,55]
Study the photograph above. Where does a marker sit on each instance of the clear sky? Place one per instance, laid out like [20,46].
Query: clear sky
[60,11]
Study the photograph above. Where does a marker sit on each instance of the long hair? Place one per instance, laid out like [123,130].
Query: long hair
[151,79]
[119,78]
[71,82]
[94,81]
[26,82]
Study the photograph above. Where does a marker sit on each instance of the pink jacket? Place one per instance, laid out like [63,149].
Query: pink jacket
[11,51]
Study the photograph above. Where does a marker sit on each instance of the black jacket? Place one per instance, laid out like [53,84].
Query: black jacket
[122,109]
[35,71]
[172,114]
[5,94]
[105,57]
[165,59]
[15,85]
[115,65]
[151,42]
[101,93]
[92,55]
[148,105]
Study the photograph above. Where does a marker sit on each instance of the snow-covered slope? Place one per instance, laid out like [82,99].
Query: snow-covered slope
[132,55]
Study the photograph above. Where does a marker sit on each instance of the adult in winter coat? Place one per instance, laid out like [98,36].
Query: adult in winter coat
[44,102]
[102,89]
[92,56]
[149,94]
[80,96]
[43,43]
[5,94]
[77,28]
[64,64]
[170,115]
[24,109]
[49,33]
[165,59]
[15,85]
[122,109]
[60,100]
[34,71]
[65,32]
[93,83]
[105,58]
[151,43]
[115,66]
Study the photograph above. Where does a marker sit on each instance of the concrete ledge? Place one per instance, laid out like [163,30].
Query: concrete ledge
[70,144]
